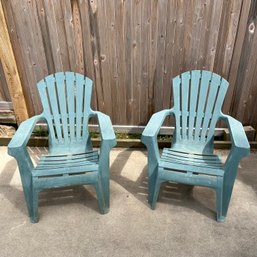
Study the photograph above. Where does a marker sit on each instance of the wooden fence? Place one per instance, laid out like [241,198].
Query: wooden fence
[4,92]
[132,48]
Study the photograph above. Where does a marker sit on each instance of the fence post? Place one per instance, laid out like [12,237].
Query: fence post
[11,71]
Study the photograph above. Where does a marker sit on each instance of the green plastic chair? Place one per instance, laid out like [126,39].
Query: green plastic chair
[198,98]
[71,160]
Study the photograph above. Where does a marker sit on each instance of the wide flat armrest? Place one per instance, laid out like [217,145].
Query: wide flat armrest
[22,135]
[153,127]
[106,129]
[237,134]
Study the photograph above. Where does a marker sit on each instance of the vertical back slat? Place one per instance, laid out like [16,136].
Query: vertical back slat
[176,97]
[70,78]
[185,78]
[50,81]
[205,79]
[195,77]
[217,108]
[214,88]
[80,81]
[60,84]
[44,100]
[87,109]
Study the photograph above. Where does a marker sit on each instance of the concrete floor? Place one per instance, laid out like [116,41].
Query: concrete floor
[183,223]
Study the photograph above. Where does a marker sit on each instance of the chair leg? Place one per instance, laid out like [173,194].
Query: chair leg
[100,197]
[105,182]
[219,201]
[227,192]
[34,209]
[156,190]
[31,196]
[151,186]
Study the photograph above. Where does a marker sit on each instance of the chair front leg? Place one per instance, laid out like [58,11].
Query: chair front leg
[231,168]
[153,158]
[25,167]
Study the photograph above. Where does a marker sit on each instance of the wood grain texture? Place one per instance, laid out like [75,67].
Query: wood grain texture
[132,50]
[11,71]
[4,92]
[243,105]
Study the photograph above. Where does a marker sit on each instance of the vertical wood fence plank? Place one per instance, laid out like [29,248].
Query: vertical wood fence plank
[244,99]
[145,46]
[87,47]
[234,68]
[106,23]
[128,59]
[11,71]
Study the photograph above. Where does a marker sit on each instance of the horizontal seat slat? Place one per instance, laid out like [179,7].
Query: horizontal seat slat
[67,161]
[190,162]
[192,168]
[71,156]
[64,170]
[195,155]
[52,165]
[61,165]
[189,159]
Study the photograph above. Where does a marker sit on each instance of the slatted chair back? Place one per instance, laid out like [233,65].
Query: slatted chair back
[66,105]
[198,98]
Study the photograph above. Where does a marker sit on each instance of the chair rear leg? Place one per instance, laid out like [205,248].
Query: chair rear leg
[100,197]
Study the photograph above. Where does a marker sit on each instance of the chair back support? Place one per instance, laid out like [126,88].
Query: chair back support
[198,98]
[66,106]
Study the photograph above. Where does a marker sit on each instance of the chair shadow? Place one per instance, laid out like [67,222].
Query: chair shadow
[182,195]
[68,195]
[11,193]
[137,188]
[247,171]
[170,193]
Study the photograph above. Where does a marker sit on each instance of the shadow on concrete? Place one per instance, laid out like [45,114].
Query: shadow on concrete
[199,199]
[247,171]
[137,188]
[170,193]
[11,193]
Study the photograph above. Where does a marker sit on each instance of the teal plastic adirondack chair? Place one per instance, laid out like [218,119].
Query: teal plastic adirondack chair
[198,98]
[71,160]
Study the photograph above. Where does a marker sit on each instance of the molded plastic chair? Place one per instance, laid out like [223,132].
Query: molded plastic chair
[71,160]
[198,98]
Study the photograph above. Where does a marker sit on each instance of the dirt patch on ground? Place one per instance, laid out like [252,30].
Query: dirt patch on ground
[6,131]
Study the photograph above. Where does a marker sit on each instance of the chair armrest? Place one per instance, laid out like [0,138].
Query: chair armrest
[240,145]
[149,136]
[22,135]
[153,127]
[237,134]
[106,129]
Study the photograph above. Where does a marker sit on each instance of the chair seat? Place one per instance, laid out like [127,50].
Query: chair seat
[209,164]
[70,164]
